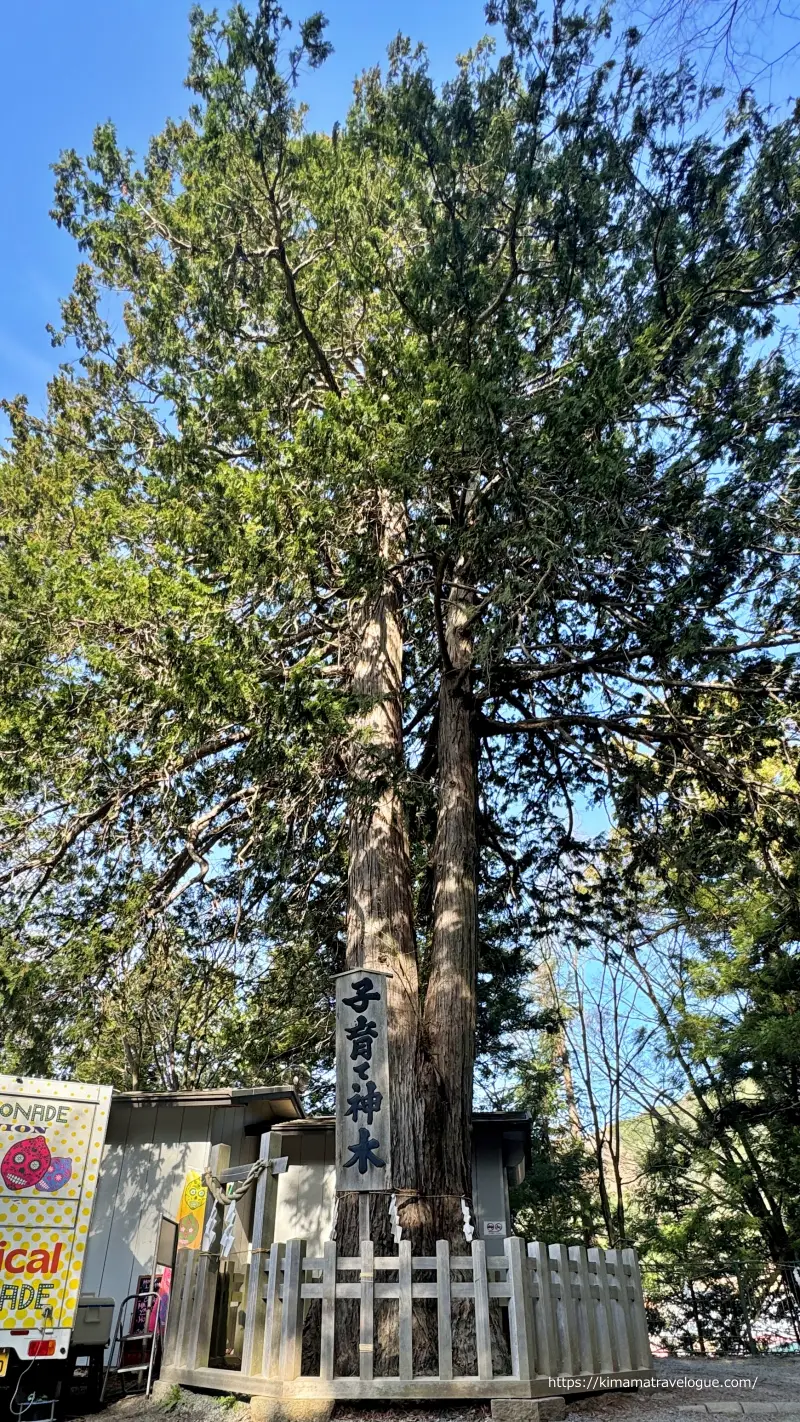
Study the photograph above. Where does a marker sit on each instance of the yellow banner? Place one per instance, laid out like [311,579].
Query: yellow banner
[191,1211]
[51,1140]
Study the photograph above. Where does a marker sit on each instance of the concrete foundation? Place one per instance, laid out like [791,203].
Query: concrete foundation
[528,1409]
[160,1391]
[302,1409]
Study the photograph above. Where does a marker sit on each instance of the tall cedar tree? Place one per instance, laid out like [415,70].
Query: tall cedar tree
[400,466]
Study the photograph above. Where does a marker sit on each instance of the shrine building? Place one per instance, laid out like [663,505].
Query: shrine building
[157,1142]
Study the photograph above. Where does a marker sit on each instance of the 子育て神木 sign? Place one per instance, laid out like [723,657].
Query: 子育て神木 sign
[363,1141]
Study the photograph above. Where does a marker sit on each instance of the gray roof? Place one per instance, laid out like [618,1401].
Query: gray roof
[268,1103]
[513,1128]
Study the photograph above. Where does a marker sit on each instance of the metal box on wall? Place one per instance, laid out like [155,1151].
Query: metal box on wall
[93,1322]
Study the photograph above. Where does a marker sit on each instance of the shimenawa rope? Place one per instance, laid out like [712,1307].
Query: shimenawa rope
[225,1194]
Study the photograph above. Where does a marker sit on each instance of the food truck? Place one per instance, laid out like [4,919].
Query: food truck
[51,1142]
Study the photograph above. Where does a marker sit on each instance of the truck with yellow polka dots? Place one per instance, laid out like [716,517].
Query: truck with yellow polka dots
[51,1140]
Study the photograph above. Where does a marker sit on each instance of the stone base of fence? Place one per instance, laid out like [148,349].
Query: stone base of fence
[384,1389]
[267,1409]
[573,1316]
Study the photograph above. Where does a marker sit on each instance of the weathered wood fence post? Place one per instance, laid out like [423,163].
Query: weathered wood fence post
[327,1350]
[620,1309]
[291,1354]
[546,1347]
[444,1309]
[636,1310]
[262,1232]
[205,1289]
[604,1323]
[270,1365]
[520,1309]
[584,1311]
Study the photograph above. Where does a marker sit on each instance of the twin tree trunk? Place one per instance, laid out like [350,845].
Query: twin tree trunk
[431,1034]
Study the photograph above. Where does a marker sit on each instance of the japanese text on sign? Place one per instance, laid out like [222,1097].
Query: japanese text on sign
[362,1082]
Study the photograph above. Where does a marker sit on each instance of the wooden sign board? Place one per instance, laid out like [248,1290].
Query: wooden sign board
[363,1134]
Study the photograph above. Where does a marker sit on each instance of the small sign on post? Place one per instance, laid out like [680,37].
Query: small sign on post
[363,1135]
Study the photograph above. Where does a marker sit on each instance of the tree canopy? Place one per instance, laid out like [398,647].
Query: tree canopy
[413,489]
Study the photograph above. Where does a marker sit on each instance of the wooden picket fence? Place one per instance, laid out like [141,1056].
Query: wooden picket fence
[572,1314]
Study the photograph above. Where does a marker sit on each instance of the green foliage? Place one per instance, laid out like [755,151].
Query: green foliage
[735,971]
[557,1200]
[541,309]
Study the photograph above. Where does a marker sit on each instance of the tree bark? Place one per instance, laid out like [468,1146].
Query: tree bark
[380,921]
[431,1051]
[450,1012]
[565,1062]
[449,1022]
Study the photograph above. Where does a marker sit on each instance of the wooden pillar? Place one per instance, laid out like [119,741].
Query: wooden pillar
[620,1308]
[263,1229]
[363,1215]
[585,1311]
[178,1306]
[366,1341]
[328,1332]
[547,1348]
[642,1357]
[292,1312]
[520,1310]
[199,1339]
[270,1365]
[480,1285]
[568,1327]
[606,1333]
[406,1360]
[444,1308]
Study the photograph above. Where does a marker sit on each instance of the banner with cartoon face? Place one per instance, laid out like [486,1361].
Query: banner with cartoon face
[51,1139]
[191,1211]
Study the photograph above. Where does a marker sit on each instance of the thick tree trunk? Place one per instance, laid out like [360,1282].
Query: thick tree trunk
[431,1056]
[380,924]
[450,1002]
[431,1053]
[380,927]
[450,1012]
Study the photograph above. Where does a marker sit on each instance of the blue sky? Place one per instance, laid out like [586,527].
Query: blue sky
[67,65]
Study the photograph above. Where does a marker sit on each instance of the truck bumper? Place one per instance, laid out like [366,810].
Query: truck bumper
[19,1342]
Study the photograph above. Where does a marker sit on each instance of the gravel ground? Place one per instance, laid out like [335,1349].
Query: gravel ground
[753,1387]
[688,1389]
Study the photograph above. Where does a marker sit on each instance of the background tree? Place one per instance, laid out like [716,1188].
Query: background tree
[559,1199]
[735,43]
[726,988]
[706,960]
